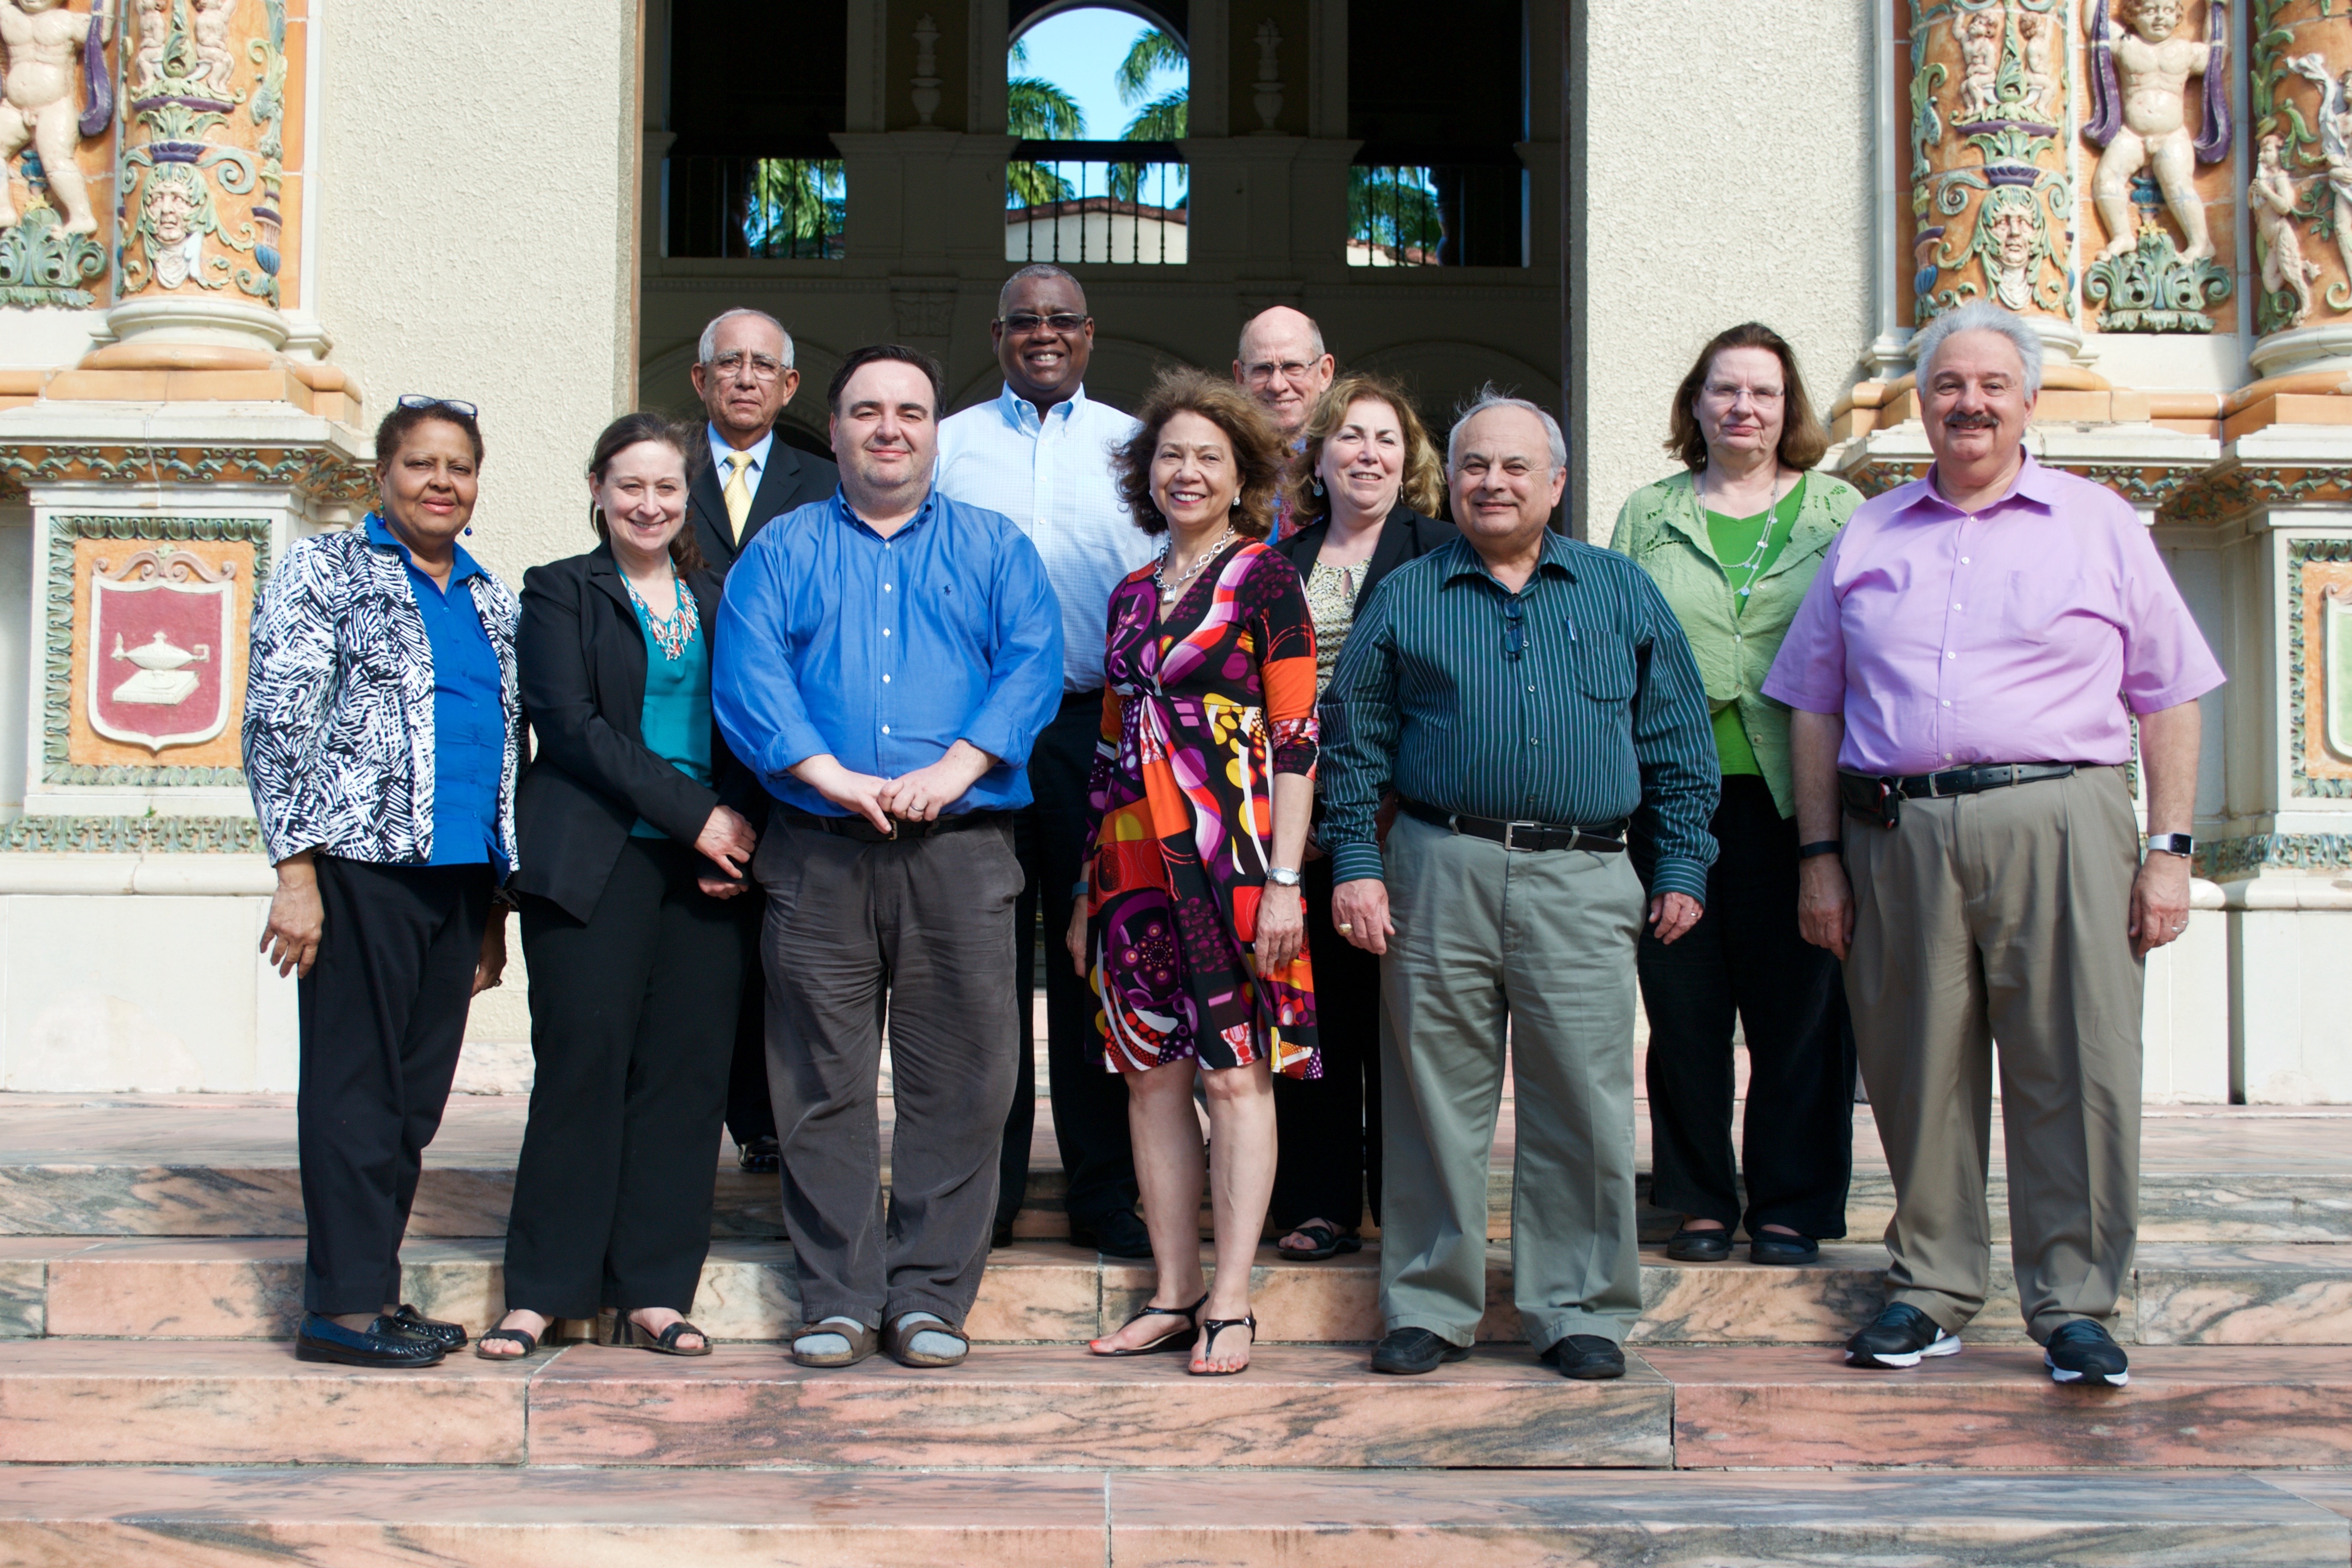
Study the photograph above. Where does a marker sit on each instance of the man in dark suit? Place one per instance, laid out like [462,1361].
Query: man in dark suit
[743,374]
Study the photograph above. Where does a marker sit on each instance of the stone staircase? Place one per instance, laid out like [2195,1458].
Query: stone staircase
[150,1412]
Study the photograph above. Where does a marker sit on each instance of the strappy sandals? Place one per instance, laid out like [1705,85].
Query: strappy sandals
[1326,1239]
[1179,1339]
[629,1334]
[523,1337]
[1209,1329]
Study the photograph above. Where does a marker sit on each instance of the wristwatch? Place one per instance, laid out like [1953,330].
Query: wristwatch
[2179,844]
[1282,876]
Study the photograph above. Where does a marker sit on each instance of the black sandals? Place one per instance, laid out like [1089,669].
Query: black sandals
[1209,1329]
[1175,1339]
[1327,1242]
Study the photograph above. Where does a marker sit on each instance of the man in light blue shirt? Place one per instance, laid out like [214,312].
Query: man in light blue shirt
[884,662]
[1041,454]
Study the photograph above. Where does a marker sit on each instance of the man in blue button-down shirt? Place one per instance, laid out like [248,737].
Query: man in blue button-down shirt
[886,659]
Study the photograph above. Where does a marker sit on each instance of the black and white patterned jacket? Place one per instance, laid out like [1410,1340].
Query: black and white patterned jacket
[338,704]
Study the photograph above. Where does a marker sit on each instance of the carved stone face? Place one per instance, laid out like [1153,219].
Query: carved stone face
[168,207]
[2156,20]
[2013,235]
[2268,162]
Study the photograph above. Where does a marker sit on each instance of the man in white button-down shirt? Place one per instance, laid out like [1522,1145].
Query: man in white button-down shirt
[1040,454]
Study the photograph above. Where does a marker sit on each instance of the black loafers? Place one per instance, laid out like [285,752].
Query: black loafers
[1774,1247]
[382,1342]
[1699,1245]
[1588,1358]
[1410,1352]
[448,1336]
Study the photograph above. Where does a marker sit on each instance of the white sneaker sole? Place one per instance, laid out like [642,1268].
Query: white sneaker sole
[2060,1375]
[1942,1344]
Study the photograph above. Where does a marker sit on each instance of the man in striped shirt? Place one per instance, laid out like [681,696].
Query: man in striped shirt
[1528,698]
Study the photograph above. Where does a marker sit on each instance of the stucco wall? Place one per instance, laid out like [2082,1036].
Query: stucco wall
[1727,162]
[476,224]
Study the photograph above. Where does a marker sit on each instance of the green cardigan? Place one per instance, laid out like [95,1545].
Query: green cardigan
[1661,527]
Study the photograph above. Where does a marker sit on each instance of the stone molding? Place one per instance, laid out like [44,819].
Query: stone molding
[41,833]
[320,474]
[169,874]
[2300,657]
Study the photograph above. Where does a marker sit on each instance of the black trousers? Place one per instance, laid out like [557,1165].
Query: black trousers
[1089,1104]
[1329,1127]
[381,1015]
[1745,957]
[750,1114]
[632,1029]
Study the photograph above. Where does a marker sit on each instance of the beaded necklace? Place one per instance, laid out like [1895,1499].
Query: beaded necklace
[673,634]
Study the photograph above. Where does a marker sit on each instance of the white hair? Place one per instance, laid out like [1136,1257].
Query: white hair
[1979,316]
[708,347]
[1487,398]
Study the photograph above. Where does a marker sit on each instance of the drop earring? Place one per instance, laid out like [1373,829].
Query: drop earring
[1316,484]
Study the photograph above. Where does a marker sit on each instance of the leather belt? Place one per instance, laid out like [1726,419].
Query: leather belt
[1607,839]
[1872,798]
[865,832]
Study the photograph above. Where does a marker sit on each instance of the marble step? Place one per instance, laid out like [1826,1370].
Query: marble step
[238,1289]
[1298,1406]
[149,1402]
[342,1518]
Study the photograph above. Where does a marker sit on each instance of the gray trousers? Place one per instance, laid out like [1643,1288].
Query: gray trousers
[920,930]
[2003,916]
[1540,944]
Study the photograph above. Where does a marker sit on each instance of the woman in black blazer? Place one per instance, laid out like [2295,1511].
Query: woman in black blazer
[635,835]
[1361,491]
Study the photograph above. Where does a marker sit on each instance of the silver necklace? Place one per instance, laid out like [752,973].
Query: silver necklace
[1756,556]
[1169,592]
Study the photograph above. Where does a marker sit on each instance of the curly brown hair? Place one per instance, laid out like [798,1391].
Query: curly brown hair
[1421,486]
[1803,439]
[1257,447]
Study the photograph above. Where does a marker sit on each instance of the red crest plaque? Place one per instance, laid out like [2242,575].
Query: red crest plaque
[160,626]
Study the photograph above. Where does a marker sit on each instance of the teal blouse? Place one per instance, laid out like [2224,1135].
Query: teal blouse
[675,718]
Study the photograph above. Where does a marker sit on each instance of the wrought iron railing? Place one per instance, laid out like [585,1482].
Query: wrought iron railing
[772,208]
[1436,215]
[1096,201]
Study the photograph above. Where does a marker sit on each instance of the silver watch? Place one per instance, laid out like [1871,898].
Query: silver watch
[1282,876]
[2179,844]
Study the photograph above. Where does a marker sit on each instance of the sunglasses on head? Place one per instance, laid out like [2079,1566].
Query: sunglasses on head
[454,404]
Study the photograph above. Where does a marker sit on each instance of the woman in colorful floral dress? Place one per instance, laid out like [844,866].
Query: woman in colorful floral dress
[1192,931]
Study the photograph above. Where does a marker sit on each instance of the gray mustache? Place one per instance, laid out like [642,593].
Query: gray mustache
[1970,422]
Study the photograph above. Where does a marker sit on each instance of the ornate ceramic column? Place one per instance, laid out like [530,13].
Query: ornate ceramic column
[207,182]
[2300,192]
[1992,196]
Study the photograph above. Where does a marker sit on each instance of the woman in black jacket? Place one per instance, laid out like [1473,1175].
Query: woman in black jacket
[1361,491]
[632,821]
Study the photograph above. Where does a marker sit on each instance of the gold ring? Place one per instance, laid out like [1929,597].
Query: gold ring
[1344,928]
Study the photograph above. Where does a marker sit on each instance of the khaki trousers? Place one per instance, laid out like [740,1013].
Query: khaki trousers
[2003,916]
[1542,944]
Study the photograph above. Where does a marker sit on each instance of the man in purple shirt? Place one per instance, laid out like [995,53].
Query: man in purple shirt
[1966,670]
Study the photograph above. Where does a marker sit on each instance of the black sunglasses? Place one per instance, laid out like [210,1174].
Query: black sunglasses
[454,404]
[1515,629]
[1021,324]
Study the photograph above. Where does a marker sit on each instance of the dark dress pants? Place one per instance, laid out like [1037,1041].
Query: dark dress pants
[631,1028]
[1089,1103]
[1329,1128]
[1746,957]
[920,930]
[381,1015]
[751,1113]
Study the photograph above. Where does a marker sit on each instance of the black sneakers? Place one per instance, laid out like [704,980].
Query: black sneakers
[2081,1351]
[1898,1337]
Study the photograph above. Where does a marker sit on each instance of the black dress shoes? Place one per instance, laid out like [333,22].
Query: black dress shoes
[1121,1234]
[448,1336]
[762,1156]
[1588,1358]
[1699,1245]
[1410,1352]
[1778,1248]
[382,1342]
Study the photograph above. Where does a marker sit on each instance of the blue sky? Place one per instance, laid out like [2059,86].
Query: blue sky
[1077,52]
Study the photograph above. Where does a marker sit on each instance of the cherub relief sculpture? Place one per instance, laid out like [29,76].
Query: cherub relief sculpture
[154,31]
[1979,35]
[215,60]
[38,103]
[2271,196]
[2140,95]
[2335,121]
[2037,31]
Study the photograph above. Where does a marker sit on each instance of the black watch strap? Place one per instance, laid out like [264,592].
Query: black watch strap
[1820,847]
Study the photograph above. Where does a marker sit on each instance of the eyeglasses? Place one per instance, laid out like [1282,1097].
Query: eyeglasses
[1289,370]
[454,404]
[1762,396]
[1515,629]
[763,368]
[1024,322]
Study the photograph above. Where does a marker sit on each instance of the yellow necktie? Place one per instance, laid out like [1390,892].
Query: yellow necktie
[739,494]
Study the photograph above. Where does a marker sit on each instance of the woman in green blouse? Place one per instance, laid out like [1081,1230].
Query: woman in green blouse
[1733,542]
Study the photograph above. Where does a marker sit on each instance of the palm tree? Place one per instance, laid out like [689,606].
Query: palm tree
[1394,210]
[1037,110]
[1153,50]
[1164,119]
[794,207]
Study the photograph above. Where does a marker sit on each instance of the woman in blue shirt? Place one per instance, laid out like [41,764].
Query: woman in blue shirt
[635,834]
[380,734]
